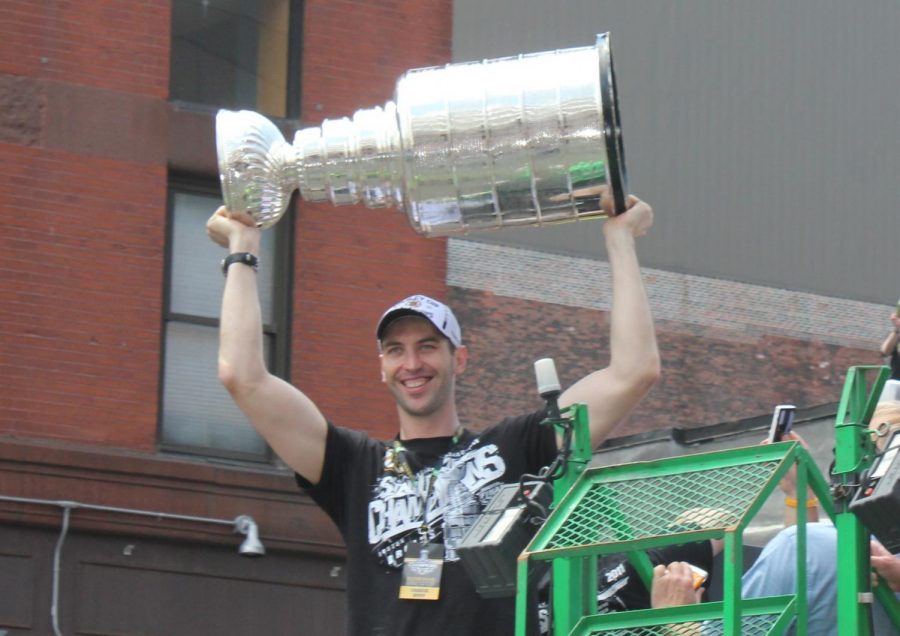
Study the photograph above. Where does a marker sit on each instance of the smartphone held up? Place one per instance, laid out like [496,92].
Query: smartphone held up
[782,422]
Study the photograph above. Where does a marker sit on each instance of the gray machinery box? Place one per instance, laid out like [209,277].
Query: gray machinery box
[490,549]
[877,502]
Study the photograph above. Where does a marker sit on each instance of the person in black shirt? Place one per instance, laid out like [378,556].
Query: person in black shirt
[403,505]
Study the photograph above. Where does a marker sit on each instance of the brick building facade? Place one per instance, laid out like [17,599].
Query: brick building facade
[89,141]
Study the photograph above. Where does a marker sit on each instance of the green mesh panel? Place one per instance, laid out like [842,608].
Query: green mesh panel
[750,626]
[629,507]
[660,506]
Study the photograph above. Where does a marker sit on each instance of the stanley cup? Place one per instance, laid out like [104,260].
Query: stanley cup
[526,140]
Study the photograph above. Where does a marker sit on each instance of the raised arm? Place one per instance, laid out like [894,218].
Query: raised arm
[788,485]
[611,393]
[890,343]
[288,420]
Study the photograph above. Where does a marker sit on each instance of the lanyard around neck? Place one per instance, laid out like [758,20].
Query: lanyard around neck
[396,462]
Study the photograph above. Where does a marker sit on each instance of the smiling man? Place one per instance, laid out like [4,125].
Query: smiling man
[417,367]
[404,505]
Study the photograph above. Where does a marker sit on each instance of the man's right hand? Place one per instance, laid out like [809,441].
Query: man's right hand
[233,231]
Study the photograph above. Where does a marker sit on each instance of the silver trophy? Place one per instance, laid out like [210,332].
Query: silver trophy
[526,140]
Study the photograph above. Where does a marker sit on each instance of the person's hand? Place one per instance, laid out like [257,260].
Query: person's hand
[233,231]
[673,586]
[886,564]
[704,518]
[636,219]
[788,483]
[895,320]
[701,518]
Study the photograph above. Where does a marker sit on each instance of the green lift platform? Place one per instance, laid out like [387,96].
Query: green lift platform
[630,508]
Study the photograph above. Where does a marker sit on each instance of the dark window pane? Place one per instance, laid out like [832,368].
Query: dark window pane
[197,410]
[196,281]
[230,53]
[197,415]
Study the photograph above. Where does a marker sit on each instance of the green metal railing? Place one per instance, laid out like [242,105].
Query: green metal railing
[761,617]
[630,508]
[854,453]
[633,507]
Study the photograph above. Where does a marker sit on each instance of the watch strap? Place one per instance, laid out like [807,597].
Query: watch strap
[244,258]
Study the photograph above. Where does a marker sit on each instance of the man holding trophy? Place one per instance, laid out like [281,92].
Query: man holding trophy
[403,506]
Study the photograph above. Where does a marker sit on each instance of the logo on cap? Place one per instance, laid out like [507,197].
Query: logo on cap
[437,313]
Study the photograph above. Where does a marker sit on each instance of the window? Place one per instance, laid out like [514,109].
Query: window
[237,54]
[197,414]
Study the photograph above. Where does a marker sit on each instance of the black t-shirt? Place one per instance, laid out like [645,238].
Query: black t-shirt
[379,512]
[895,363]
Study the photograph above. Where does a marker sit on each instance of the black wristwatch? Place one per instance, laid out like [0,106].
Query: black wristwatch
[244,258]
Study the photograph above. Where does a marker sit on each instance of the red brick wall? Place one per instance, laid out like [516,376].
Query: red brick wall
[82,298]
[83,156]
[707,377]
[352,263]
[114,44]
[83,206]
